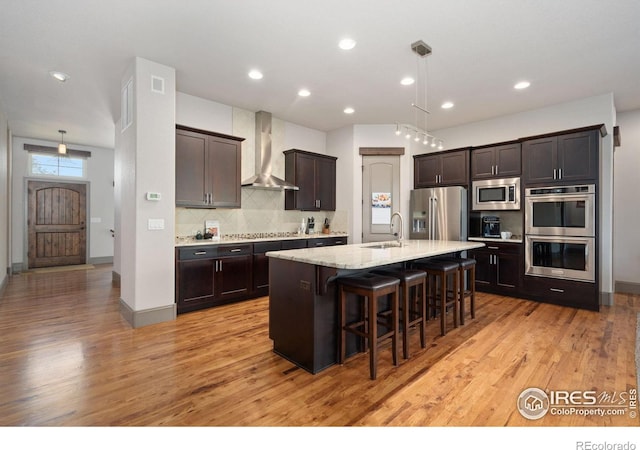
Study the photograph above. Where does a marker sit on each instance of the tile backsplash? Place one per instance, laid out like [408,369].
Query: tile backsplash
[262,212]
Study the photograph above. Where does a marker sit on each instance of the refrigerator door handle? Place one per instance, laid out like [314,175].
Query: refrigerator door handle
[435,207]
[431,217]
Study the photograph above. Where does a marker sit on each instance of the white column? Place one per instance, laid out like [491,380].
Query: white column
[145,162]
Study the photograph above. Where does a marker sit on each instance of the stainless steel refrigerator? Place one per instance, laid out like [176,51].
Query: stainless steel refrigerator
[439,213]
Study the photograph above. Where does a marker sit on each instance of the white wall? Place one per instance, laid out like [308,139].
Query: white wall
[203,114]
[626,213]
[4,197]
[100,178]
[303,138]
[340,145]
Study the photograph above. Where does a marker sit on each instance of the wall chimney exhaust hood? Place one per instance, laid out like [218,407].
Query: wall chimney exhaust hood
[263,179]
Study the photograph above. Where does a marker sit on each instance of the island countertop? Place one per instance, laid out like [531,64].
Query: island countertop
[373,254]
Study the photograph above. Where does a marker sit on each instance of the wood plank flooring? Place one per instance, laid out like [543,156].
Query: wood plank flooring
[67,358]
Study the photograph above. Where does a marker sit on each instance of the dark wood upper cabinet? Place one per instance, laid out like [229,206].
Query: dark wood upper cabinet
[208,169]
[448,168]
[496,161]
[315,176]
[561,159]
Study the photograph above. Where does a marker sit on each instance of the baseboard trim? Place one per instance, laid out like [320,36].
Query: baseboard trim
[146,317]
[627,287]
[3,283]
[606,298]
[115,279]
[16,267]
[101,260]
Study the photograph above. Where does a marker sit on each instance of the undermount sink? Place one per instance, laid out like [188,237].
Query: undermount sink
[384,245]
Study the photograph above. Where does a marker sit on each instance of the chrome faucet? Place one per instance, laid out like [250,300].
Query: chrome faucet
[399,234]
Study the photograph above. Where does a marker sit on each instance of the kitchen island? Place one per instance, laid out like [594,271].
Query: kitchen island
[303,307]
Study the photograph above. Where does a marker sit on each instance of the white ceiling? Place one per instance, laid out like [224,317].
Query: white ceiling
[567,49]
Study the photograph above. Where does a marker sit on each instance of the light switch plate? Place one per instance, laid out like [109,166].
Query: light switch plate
[155,224]
[154,196]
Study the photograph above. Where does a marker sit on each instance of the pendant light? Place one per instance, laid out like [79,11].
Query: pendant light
[421,51]
[62,148]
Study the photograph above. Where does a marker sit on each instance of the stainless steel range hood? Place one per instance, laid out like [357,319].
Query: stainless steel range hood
[263,179]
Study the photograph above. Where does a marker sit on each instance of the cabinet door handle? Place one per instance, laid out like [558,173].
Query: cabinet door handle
[496,169]
[220,265]
[555,171]
[559,174]
[216,266]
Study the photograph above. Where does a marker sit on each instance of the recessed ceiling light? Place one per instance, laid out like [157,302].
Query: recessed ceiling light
[349,110]
[304,93]
[60,76]
[407,81]
[522,85]
[447,105]
[347,44]
[255,74]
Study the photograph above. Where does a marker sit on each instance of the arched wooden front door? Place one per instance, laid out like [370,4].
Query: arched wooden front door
[56,224]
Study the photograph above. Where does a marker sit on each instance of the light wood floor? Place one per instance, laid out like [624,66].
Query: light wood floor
[68,358]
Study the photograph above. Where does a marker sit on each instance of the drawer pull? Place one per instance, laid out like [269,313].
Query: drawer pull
[200,253]
[235,250]
[493,248]
[557,290]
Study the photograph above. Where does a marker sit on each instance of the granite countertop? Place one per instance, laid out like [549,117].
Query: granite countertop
[185,241]
[366,255]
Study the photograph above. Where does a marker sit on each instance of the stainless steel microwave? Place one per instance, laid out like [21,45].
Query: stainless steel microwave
[496,194]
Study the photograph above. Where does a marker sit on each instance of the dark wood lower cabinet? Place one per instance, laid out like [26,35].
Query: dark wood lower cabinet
[233,277]
[577,294]
[217,274]
[499,268]
[211,275]
[194,284]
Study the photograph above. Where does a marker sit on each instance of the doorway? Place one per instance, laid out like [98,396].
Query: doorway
[56,223]
[380,192]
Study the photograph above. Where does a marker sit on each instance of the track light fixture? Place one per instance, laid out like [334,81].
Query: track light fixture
[421,51]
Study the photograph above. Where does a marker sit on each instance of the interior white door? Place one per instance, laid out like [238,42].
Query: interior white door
[380,197]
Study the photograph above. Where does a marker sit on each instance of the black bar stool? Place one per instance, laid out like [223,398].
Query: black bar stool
[466,266]
[413,308]
[371,287]
[439,299]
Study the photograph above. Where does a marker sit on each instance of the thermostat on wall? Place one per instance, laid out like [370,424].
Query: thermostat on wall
[153,196]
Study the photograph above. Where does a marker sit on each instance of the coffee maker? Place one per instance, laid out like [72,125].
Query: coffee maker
[491,226]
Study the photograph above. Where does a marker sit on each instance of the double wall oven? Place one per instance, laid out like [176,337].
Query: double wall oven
[560,227]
